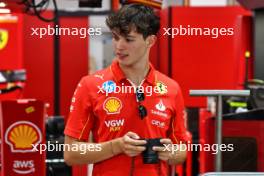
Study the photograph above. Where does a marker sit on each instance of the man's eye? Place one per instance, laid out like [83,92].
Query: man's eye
[129,40]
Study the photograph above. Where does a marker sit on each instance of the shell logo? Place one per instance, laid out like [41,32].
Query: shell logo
[112,105]
[21,135]
[3,38]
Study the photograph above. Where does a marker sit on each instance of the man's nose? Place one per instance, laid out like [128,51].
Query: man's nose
[120,44]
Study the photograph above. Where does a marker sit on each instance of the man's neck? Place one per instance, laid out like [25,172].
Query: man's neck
[136,72]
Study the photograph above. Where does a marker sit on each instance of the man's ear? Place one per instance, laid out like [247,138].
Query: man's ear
[150,40]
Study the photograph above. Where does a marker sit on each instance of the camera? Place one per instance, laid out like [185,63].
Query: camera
[150,156]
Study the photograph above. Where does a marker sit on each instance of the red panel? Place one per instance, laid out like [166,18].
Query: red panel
[74,64]
[203,62]
[12,26]
[159,55]
[14,5]
[154,58]
[247,43]
[22,121]
[203,163]
[154,55]
[38,58]
[16,94]
[9,60]
[163,43]
[73,59]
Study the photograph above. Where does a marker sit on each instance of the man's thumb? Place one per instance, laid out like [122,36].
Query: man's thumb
[133,135]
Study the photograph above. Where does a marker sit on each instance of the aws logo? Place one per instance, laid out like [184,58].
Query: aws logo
[115,125]
[21,135]
[3,38]
[23,167]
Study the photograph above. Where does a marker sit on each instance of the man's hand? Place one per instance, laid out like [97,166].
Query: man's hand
[131,145]
[164,153]
[169,153]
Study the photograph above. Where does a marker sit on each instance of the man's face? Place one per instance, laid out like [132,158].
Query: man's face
[130,49]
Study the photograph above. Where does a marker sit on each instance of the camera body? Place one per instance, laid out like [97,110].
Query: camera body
[150,156]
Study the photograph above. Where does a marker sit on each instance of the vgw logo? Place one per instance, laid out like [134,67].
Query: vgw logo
[115,125]
[24,166]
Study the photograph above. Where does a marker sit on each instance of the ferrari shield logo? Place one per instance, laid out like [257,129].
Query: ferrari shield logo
[162,88]
[3,38]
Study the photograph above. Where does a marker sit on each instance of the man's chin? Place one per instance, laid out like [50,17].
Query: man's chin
[124,62]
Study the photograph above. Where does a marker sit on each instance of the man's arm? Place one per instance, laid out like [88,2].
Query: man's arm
[178,157]
[72,156]
[127,144]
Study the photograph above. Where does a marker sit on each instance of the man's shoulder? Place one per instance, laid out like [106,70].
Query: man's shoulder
[99,77]
[169,82]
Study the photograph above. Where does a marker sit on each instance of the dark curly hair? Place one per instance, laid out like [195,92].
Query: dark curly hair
[137,16]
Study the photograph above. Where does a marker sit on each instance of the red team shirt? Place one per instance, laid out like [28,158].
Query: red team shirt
[98,107]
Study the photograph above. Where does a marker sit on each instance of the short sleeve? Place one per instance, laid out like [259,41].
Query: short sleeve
[178,131]
[80,120]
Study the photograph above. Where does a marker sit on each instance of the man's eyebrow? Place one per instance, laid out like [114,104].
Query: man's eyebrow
[127,36]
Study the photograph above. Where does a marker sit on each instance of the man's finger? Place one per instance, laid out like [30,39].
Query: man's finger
[166,141]
[132,135]
[132,153]
[159,149]
[131,141]
[164,158]
[135,148]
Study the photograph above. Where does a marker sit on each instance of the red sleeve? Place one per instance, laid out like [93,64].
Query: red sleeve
[178,130]
[80,120]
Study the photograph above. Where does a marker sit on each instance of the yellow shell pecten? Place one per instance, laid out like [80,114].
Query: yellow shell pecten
[113,105]
[22,136]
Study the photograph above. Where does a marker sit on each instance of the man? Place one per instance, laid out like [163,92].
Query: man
[121,121]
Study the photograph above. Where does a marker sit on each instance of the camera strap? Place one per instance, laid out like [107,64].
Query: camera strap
[159,168]
[132,168]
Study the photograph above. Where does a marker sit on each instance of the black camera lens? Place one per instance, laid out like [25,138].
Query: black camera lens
[150,156]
